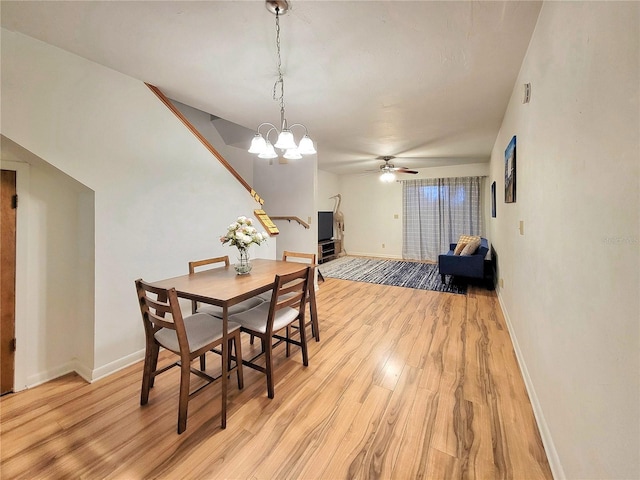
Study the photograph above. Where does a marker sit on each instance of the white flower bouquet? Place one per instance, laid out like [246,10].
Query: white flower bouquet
[242,234]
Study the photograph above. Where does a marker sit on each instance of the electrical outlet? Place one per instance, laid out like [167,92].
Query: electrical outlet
[521,227]
[383,245]
[395,216]
[309,220]
[502,283]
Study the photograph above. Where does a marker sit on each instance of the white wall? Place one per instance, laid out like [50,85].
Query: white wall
[328,186]
[370,208]
[290,190]
[238,158]
[160,200]
[571,282]
[55,268]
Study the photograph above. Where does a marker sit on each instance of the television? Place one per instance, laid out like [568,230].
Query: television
[325,226]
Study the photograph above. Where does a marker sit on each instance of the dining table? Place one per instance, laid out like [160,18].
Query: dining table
[223,287]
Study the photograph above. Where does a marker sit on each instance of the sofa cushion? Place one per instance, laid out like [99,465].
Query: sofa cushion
[471,247]
[463,241]
[459,247]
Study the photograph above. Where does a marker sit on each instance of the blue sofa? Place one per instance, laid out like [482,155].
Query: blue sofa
[469,266]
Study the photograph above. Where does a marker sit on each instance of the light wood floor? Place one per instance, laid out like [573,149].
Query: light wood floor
[405,384]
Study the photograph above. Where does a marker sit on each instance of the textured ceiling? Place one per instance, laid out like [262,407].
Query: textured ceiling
[426,81]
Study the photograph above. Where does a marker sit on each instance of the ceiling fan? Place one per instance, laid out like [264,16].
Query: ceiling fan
[387,169]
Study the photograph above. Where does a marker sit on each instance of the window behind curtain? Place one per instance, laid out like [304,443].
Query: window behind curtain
[436,212]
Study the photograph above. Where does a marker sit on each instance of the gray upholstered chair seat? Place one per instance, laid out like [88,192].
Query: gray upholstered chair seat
[201,329]
[239,307]
[256,319]
[266,296]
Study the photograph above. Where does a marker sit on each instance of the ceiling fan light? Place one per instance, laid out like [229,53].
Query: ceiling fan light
[285,140]
[387,177]
[258,144]
[292,154]
[268,152]
[306,146]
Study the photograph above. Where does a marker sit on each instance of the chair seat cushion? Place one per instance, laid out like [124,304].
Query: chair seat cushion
[237,308]
[201,328]
[256,318]
[266,296]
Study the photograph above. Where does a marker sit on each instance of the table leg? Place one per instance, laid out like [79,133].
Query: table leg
[225,365]
[313,309]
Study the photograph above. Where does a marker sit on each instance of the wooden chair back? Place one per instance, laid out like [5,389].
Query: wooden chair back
[311,259]
[200,263]
[208,261]
[289,291]
[288,256]
[160,309]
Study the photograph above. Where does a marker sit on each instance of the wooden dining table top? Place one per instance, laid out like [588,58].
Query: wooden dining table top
[222,285]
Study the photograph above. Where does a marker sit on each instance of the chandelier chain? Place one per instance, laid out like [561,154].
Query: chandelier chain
[280,80]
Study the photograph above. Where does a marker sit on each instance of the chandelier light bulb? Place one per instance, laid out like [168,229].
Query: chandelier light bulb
[285,140]
[292,154]
[268,152]
[306,146]
[258,144]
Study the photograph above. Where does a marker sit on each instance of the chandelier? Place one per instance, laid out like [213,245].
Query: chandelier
[285,141]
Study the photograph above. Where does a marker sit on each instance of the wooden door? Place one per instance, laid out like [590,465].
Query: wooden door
[8,201]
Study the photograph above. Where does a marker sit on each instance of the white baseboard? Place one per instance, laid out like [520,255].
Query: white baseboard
[88,374]
[43,377]
[82,370]
[550,449]
[116,365]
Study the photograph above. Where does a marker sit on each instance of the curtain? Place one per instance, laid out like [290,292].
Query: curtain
[436,211]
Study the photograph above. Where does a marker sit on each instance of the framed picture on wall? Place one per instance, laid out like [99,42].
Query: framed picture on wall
[493,200]
[510,172]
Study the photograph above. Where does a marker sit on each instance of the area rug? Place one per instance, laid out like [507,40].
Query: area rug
[422,276]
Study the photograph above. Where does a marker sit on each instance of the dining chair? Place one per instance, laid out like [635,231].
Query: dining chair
[287,307]
[189,338]
[214,309]
[302,257]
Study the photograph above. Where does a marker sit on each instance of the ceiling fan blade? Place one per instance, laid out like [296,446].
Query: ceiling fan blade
[404,170]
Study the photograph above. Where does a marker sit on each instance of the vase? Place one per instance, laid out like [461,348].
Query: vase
[243,266]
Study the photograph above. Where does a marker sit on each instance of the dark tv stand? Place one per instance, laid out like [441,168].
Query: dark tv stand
[328,250]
